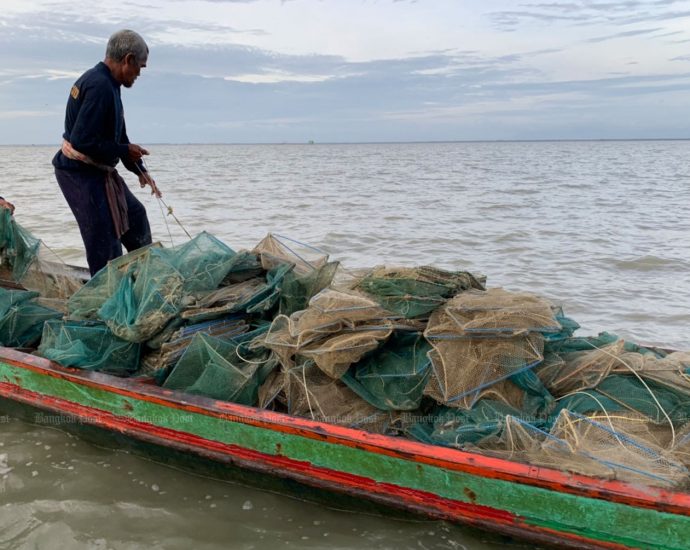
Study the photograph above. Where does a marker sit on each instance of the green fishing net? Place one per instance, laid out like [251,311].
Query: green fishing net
[311,274]
[626,393]
[147,297]
[240,331]
[415,292]
[138,294]
[203,262]
[221,369]
[456,427]
[19,246]
[89,346]
[394,376]
[27,263]
[22,318]
[580,343]
[568,328]
[85,303]
[537,399]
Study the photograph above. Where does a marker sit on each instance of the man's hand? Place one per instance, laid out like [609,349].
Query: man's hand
[7,204]
[136,152]
[145,179]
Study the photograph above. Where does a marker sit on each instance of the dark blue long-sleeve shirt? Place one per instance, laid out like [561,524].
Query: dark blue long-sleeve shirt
[95,122]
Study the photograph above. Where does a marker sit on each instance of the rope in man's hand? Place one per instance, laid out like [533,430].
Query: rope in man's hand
[145,179]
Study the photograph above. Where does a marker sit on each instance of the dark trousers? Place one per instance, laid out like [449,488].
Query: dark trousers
[85,195]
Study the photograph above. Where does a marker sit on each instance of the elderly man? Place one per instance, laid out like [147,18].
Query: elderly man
[95,139]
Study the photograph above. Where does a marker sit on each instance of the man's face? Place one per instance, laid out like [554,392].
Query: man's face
[132,69]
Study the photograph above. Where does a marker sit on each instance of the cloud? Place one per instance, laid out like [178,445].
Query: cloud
[205,82]
[585,13]
[623,34]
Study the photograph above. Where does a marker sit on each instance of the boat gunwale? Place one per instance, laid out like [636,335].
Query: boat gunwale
[444,457]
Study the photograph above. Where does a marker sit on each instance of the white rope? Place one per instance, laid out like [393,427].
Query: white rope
[168,208]
[670,423]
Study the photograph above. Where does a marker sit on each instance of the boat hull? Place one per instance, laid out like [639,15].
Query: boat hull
[317,460]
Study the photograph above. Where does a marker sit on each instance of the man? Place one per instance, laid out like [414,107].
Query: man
[95,139]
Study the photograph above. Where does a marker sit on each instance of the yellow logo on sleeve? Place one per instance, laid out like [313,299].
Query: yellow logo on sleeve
[74,92]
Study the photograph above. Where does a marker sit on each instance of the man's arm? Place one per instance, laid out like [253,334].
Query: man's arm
[134,163]
[131,160]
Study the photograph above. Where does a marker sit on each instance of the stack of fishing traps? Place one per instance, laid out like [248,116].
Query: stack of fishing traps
[416,352]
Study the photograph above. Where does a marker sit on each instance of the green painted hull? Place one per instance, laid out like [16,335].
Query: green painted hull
[307,458]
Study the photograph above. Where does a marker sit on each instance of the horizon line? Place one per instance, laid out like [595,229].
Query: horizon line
[383,142]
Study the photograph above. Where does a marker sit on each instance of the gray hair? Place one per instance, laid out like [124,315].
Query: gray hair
[125,41]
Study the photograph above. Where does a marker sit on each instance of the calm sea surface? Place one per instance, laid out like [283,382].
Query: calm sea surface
[602,228]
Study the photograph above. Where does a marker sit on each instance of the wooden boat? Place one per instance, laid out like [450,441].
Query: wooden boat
[310,458]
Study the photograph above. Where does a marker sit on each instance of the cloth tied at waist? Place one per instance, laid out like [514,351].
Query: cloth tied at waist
[114,188]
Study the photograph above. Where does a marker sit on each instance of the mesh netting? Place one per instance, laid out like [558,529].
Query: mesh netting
[353,321]
[626,393]
[672,371]
[536,399]
[22,318]
[614,447]
[85,303]
[312,271]
[568,328]
[330,309]
[580,343]
[309,392]
[33,266]
[88,346]
[681,447]
[138,294]
[335,354]
[463,367]
[523,441]
[417,291]
[158,362]
[624,443]
[257,294]
[147,297]
[202,262]
[497,311]
[243,266]
[277,249]
[579,370]
[221,369]
[19,246]
[483,337]
[458,427]
[298,288]
[393,377]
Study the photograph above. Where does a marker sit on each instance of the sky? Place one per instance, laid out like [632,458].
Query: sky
[272,71]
